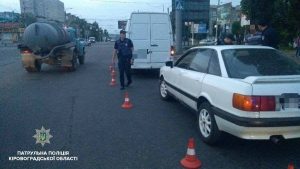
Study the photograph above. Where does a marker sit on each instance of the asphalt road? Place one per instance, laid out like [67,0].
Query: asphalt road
[85,118]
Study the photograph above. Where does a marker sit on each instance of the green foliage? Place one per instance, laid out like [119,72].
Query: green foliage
[26,19]
[236,28]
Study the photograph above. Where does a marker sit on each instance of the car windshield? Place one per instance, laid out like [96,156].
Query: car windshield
[241,63]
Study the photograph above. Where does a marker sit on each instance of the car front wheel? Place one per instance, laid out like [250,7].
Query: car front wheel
[163,90]
[207,125]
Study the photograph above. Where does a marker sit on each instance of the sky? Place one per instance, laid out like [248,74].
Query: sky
[107,12]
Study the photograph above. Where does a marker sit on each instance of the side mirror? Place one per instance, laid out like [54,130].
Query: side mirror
[169,63]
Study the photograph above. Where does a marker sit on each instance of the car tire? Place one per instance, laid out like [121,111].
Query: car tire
[163,90]
[207,126]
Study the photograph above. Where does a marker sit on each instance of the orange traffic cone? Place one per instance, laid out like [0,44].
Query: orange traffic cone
[290,166]
[113,72]
[113,82]
[127,103]
[110,67]
[190,161]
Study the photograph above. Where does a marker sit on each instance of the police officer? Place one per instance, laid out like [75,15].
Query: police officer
[226,40]
[269,36]
[123,49]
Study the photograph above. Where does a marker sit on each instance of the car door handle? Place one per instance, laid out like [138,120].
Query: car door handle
[154,45]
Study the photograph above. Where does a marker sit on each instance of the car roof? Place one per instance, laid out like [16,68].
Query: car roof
[222,47]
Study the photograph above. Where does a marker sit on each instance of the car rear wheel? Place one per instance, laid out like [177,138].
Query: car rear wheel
[163,90]
[207,125]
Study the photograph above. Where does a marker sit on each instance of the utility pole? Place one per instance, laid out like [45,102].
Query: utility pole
[217,22]
[178,18]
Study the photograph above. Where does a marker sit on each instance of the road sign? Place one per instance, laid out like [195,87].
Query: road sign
[179,5]
[202,28]
[122,24]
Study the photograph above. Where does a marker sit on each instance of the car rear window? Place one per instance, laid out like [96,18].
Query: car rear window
[241,63]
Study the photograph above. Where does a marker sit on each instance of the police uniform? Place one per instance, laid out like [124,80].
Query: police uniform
[124,59]
[269,37]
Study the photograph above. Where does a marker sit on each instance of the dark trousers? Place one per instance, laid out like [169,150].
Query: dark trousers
[124,67]
[298,51]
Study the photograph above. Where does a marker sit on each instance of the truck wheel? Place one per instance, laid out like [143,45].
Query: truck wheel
[36,68]
[74,62]
[81,59]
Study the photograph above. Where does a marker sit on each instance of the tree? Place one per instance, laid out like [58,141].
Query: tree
[236,28]
[26,19]
[95,31]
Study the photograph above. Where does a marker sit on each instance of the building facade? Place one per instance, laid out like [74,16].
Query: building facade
[10,31]
[196,11]
[44,10]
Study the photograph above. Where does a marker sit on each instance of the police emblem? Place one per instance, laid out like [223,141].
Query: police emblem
[125,44]
[42,136]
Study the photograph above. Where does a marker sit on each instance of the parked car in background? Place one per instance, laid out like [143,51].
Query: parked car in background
[251,92]
[86,43]
[255,39]
[207,42]
[92,39]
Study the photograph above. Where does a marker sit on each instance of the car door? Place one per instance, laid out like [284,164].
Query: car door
[173,75]
[140,35]
[160,38]
[191,78]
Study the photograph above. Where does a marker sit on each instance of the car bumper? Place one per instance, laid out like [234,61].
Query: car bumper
[142,65]
[257,128]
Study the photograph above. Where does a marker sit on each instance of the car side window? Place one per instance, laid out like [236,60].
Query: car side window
[185,60]
[201,60]
[214,65]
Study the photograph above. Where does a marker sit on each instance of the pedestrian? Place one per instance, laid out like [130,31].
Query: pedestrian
[123,49]
[298,47]
[226,40]
[269,36]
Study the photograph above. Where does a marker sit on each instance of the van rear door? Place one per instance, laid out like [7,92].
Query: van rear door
[160,38]
[140,36]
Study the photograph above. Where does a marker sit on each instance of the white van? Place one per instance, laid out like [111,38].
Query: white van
[152,37]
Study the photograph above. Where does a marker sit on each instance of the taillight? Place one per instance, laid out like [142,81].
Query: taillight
[26,51]
[172,51]
[253,103]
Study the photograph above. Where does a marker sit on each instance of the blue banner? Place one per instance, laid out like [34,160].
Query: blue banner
[202,28]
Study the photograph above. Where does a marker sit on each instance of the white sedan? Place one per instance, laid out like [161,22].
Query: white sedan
[251,92]
[86,43]
[206,42]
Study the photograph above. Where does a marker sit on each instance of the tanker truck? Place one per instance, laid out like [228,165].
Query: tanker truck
[47,42]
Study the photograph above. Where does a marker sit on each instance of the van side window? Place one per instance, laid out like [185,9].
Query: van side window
[214,65]
[201,60]
[185,60]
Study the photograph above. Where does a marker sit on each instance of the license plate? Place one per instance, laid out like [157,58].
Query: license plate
[289,101]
